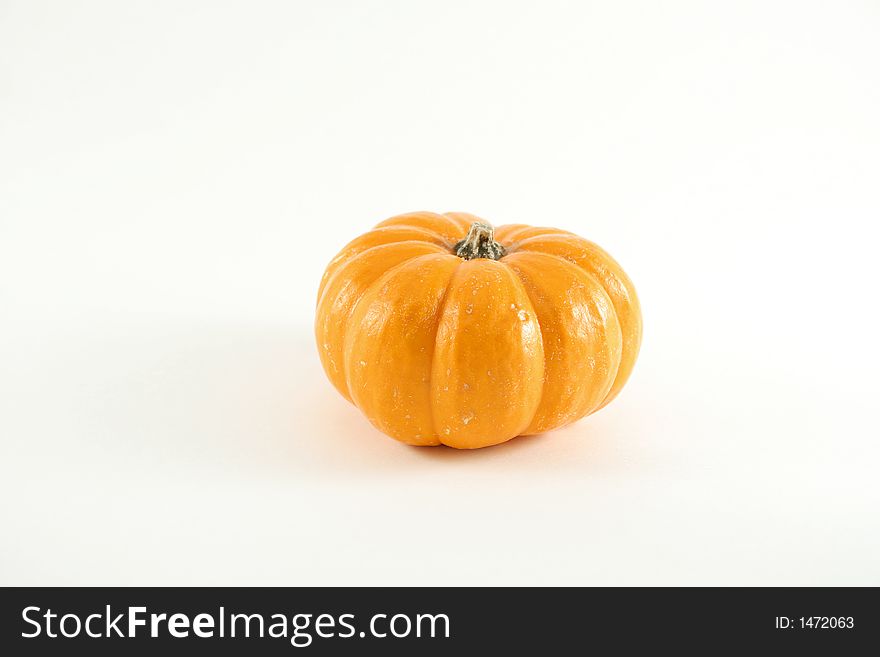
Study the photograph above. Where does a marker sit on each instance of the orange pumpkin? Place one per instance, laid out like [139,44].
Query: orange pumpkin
[443,330]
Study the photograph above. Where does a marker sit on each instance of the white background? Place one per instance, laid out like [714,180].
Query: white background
[174,176]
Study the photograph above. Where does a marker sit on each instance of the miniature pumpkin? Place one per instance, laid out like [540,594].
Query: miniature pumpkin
[443,330]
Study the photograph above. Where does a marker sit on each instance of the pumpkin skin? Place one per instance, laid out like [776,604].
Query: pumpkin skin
[522,332]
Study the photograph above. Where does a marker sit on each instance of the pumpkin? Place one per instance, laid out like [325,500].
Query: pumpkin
[443,330]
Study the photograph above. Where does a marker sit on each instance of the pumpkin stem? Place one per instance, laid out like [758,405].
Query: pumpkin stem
[480,243]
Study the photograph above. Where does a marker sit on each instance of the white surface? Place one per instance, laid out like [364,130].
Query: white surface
[175,176]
